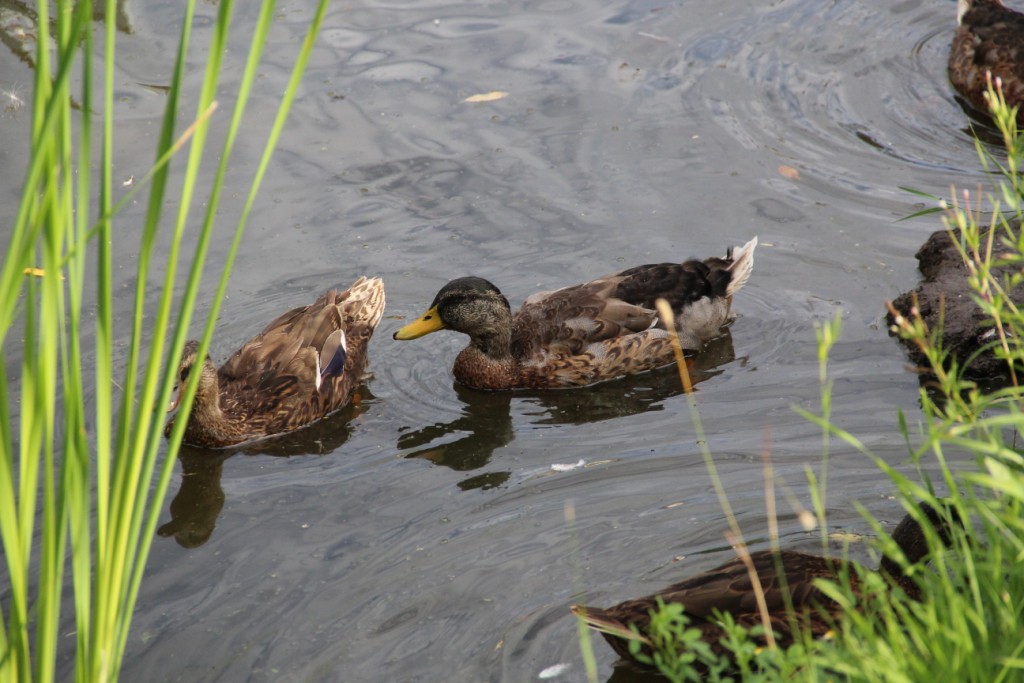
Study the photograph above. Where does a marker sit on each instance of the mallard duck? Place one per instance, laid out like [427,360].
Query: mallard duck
[586,333]
[728,589]
[301,367]
[945,302]
[990,38]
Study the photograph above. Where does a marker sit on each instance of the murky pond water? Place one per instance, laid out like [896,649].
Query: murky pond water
[422,535]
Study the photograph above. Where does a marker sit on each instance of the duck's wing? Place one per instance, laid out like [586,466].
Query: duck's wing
[787,578]
[360,307]
[274,379]
[683,284]
[281,348]
[725,589]
[609,327]
[568,320]
[305,363]
[728,589]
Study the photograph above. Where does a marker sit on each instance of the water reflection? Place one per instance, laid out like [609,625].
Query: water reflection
[625,672]
[195,508]
[485,425]
[484,482]
[199,500]
[979,124]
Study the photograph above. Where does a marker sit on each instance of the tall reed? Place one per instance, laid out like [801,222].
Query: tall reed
[88,483]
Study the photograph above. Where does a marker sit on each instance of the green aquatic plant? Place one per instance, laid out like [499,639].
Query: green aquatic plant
[81,477]
[965,454]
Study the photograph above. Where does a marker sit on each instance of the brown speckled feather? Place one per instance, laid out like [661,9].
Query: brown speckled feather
[585,333]
[276,382]
[728,589]
[990,38]
[609,327]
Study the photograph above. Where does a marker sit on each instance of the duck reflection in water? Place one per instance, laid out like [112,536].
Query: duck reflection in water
[469,441]
[194,509]
[484,426]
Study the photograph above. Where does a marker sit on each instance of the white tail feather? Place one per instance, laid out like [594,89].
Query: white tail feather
[742,265]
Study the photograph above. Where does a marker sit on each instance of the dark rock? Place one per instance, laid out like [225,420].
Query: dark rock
[945,296]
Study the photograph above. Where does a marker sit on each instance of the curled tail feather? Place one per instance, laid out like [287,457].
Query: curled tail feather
[365,301]
[742,265]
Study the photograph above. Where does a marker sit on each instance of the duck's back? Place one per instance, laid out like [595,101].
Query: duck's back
[728,589]
[609,327]
[277,381]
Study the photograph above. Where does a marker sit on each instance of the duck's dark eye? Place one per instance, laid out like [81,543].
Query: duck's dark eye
[183,375]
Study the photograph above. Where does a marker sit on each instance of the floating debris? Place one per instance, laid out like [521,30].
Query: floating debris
[553,671]
[487,96]
[558,467]
[845,537]
[653,36]
[807,520]
[789,172]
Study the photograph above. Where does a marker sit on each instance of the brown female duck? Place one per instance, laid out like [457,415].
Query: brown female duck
[990,38]
[301,367]
[586,333]
[728,589]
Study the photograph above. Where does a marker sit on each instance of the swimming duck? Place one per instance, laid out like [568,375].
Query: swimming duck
[728,589]
[585,333]
[990,37]
[302,366]
[945,302]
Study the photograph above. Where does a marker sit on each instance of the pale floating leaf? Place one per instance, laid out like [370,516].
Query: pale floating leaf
[789,172]
[807,520]
[487,96]
[568,467]
[553,671]
[845,537]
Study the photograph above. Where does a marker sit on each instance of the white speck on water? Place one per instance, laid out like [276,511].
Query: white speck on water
[553,671]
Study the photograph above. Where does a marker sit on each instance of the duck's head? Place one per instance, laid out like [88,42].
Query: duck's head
[470,305]
[912,539]
[207,382]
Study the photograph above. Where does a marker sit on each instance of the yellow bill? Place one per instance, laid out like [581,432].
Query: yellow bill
[425,324]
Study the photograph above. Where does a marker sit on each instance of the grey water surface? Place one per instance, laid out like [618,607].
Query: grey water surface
[422,534]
